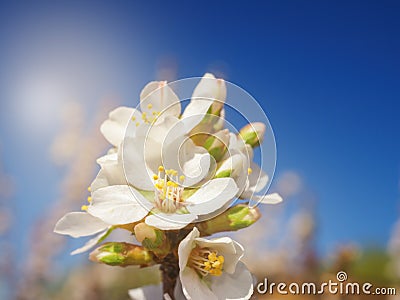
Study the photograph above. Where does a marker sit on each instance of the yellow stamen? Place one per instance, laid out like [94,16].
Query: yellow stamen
[149,106]
[206,261]
[155,177]
[181,178]
[212,256]
[89,199]
[171,183]
[161,169]
[133,118]
[137,124]
[84,207]
[249,171]
[216,272]
[89,189]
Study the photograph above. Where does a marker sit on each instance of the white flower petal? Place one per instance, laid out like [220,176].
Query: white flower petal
[211,88]
[238,285]
[186,246]
[196,167]
[137,173]
[230,249]
[114,128]
[157,96]
[111,172]
[206,92]
[91,243]
[238,164]
[118,204]
[212,196]
[274,198]
[163,130]
[193,287]
[188,159]
[237,145]
[100,181]
[77,224]
[170,221]
[258,179]
[195,112]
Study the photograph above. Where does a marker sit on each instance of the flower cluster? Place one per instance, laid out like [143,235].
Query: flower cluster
[173,177]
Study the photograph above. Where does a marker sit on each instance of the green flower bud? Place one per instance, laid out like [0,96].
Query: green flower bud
[235,218]
[122,254]
[152,239]
[253,133]
[217,144]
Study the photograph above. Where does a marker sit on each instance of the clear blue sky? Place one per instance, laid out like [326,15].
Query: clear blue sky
[326,72]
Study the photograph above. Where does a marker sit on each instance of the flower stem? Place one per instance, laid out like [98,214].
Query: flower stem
[170,271]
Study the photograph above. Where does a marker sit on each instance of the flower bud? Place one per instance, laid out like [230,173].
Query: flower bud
[235,218]
[122,254]
[253,133]
[211,88]
[218,121]
[152,239]
[217,144]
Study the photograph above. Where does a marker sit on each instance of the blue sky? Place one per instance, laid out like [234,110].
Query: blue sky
[326,72]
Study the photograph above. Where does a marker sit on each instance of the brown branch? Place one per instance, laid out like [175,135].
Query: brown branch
[170,271]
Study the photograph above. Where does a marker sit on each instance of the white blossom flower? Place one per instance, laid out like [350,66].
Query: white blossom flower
[211,269]
[171,205]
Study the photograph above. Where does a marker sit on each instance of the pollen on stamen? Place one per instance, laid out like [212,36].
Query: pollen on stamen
[133,118]
[181,178]
[249,171]
[161,169]
[137,124]
[206,262]
[149,106]
[89,189]
[155,177]
[84,207]
[89,199]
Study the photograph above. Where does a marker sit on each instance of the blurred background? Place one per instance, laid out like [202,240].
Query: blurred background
[325,72]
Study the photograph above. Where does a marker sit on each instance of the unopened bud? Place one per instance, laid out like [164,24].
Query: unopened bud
[122,254]
[211,88]
[217,144]
[152,238]
[235,218]
[253,133]
[219,121]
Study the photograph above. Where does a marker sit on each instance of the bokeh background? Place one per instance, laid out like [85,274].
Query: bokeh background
[327,74]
